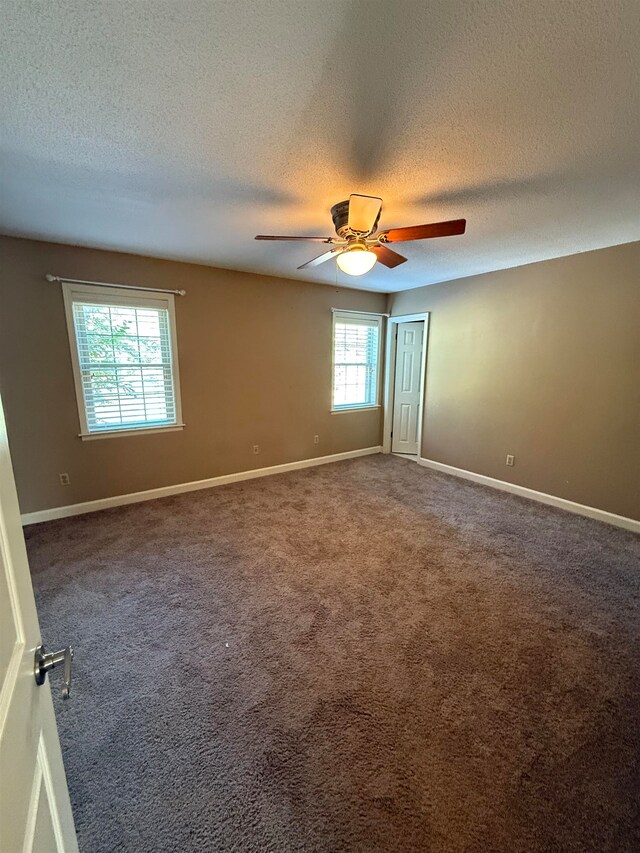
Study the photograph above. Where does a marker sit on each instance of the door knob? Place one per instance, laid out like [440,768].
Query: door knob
[44,661]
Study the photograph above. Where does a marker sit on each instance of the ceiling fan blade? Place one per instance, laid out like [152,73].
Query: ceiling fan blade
[310,239]
[314,262]
[387,256]
[364,211]
[422,232]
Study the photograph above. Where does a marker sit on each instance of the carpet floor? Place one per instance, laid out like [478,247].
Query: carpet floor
[364,656]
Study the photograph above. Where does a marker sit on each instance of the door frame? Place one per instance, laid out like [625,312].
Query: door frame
[390,372]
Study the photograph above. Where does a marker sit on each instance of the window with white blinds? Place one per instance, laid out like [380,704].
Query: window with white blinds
[124,359]
[356,360]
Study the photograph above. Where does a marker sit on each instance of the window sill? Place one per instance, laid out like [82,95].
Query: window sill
[113,433]
[355,409]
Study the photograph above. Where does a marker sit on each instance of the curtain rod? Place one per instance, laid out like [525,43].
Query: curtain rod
[349,311]
[61,279]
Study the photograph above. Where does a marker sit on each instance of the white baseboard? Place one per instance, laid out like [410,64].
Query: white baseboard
[541,497]
[165,491]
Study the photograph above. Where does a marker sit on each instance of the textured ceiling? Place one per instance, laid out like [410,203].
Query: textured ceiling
[182,129]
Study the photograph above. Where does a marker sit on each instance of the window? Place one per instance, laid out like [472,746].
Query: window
[356,360]
[123,349]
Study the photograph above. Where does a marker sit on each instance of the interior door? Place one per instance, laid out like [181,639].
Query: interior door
[35,811]
[406,394]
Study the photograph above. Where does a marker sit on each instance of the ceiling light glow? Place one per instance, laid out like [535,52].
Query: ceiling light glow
[356,261]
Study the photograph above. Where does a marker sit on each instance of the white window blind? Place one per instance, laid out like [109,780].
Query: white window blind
[356,360]
[124,360]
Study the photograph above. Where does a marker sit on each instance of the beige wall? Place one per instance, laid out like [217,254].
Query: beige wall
[542,361]
[255,368]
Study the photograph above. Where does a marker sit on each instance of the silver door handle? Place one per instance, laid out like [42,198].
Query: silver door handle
[44,661]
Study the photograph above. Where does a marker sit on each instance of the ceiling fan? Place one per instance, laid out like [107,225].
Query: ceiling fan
[358,247]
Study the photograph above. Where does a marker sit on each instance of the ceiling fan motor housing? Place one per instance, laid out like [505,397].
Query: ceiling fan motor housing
[340,216]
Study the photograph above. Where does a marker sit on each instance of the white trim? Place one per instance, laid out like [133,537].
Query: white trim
[355,409]
[532,494]
[179,488]
[389,374]
[409,318]
[364,313]
[113,433]
[75,291]
[50,788]
[356,315]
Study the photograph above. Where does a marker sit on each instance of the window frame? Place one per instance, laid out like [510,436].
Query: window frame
[341,316]
[123,297]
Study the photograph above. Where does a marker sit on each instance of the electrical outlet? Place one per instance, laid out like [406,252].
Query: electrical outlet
[316,439]
[64,480]
[510,460]
[256,449]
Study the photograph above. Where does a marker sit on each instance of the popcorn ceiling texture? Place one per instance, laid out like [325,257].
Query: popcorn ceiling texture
[182,129]
[366,656]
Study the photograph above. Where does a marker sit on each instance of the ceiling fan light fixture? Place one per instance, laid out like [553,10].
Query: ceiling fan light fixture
[359,245]
[357,260]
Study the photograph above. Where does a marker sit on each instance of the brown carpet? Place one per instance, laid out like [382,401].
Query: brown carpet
[366,656]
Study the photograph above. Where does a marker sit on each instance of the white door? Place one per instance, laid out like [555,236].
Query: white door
[35,812]
[406,394]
